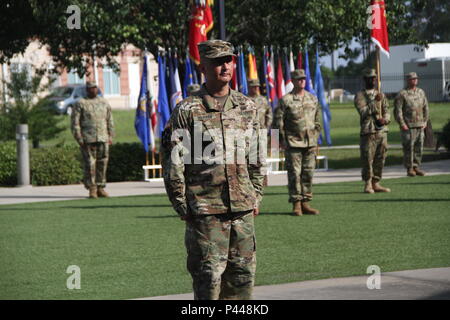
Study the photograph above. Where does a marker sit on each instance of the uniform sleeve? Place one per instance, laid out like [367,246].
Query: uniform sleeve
[279,119]
[364,109]
[257,165]
[426,111]
[385,110]
[172,161]
[398,109]
[75,123]
[110,122]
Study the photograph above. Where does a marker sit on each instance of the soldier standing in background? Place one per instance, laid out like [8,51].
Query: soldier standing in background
[263,107]
[92,127]
[411,113]
[373,110]
[297,118]
[217,198]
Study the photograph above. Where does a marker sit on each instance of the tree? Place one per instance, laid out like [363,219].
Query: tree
[23,109]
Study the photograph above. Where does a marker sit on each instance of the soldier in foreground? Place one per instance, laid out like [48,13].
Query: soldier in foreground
[263,107]
[372,107]
[211,190]
[297,118]
[411,113]
[92,127]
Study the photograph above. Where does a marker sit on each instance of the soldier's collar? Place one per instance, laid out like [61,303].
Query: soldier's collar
[210,103]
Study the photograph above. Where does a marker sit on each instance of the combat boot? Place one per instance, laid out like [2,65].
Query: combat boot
[297,209]
[368,187]
[93,192]
[102,193]
[307,209]
[410,172]
[378,188]
[419,172]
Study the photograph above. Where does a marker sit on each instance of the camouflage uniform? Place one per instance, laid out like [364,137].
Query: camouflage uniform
[297,118]
[264,111]
[219,195]
[92,126]
[373,138]
[411,109]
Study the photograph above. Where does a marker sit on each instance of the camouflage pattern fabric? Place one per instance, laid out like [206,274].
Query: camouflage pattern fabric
[300,164]
[264,111]
[297,118]
[197,178]
[370,110]
[412,143]
[411,108]
[92,120]
[221,256]
[92,127]
[373,149]
[95,160]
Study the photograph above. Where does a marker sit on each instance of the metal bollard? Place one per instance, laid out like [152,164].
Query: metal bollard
[23,156]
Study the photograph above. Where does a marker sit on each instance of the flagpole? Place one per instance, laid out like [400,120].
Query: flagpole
[379,79]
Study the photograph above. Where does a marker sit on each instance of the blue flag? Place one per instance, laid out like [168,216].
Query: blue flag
[309,85]
[188,76]
[326,114]
[163,103]
[266,76]
[242,80]
[141,122]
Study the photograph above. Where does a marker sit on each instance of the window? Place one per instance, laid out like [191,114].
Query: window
[21,67]
[74,78]
[112,81]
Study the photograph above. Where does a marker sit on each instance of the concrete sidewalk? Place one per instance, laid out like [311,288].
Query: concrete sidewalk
[120,189]
[401,285]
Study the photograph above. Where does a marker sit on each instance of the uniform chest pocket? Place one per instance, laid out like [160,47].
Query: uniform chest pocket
[295,113]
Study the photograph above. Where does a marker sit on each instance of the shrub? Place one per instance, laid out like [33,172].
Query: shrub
[8,164]
[56,166]
[126,161]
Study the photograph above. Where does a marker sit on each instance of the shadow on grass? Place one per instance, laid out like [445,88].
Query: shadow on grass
[88,207]
[173,216]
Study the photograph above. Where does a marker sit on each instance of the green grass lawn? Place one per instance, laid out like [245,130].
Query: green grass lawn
[344,125]
[133,247]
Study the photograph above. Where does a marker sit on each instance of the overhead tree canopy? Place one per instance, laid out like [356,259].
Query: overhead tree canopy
[106,25]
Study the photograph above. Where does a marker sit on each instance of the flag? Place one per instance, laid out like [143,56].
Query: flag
[377,24]
[309,85]
[271,80]
[175,86]
[288,82]
[200,22]
[320,90]
[252,70]
[291,61]
[242,76]
[234,81]
[153,104]
[163,103]
[299,60]
[266,76]
[188,76]
[142,124]
[280,80]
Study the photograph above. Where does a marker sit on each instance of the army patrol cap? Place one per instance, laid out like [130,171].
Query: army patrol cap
[193,88]
[412,75]
[90,84]
[298,74]
[253,83]
[369,73]
[212,49]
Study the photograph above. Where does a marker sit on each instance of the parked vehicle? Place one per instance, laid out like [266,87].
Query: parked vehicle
[62,99]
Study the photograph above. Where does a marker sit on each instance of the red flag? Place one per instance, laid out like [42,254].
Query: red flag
[377,24]
[201,21]
[280,80]
[299,60]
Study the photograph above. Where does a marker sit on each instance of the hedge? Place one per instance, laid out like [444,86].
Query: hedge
[63,165]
